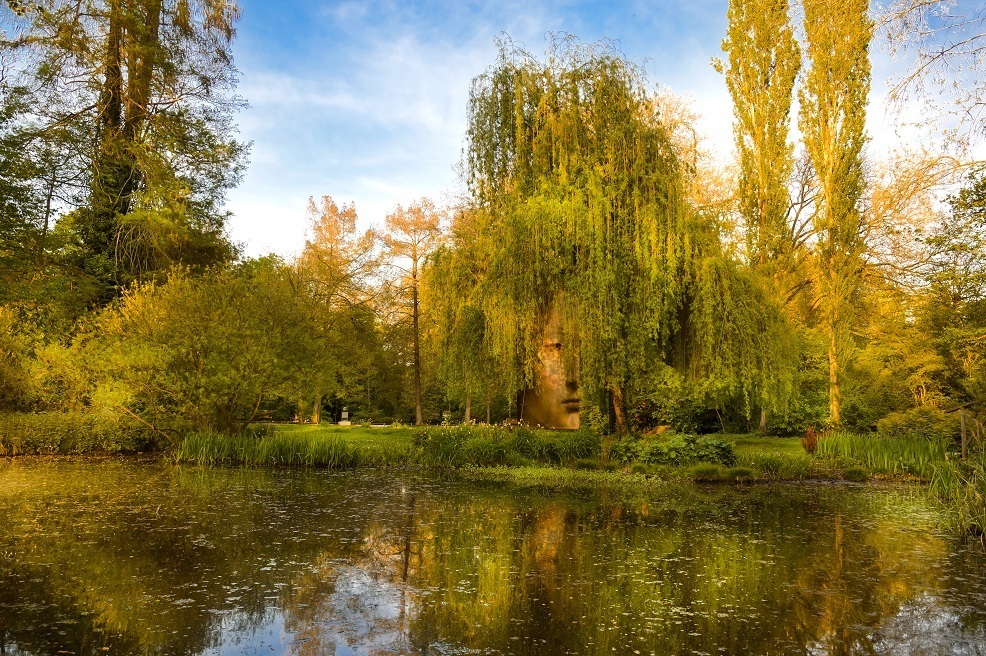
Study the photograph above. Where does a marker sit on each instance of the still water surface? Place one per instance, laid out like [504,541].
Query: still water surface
[126,558]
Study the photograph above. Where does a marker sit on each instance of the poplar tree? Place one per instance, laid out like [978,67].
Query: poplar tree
[833,114]
[763,63]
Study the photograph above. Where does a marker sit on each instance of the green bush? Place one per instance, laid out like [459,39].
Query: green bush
[707,472]
[740,474]
[456,446]
[71,433]
[675,450]
[924,421]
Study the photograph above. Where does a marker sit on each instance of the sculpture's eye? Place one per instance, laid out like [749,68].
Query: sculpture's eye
[556,346]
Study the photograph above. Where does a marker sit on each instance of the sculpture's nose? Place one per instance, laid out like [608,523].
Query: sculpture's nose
[572,379]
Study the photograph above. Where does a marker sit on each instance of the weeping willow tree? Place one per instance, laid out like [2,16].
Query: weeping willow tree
[452,296]
[583,198]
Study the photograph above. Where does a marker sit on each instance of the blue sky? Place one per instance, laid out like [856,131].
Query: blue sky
[366,101]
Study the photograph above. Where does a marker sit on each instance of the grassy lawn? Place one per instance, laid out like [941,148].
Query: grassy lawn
[357,436]
[751,443]
[402,436]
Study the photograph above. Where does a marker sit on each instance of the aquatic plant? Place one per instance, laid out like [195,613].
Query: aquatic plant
[855,474]
[960,488]
[277,448]
[777,466]
[889,455]
[707,472]
[740,474]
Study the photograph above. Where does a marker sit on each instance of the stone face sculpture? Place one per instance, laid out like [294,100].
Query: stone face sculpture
[555,402]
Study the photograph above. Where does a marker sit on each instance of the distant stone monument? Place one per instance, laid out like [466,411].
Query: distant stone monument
[345,417]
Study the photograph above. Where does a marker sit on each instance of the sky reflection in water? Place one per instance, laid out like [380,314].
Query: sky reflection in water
[117,557]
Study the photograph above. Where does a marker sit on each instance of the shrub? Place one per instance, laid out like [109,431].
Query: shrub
[674,450]
[810,440]
[707,472]
[455,446]
[924,421]
[71,433]
[740,474]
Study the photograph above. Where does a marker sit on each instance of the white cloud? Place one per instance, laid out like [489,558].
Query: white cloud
[369,103]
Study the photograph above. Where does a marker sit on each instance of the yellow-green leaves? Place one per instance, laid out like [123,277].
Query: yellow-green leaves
[764,60]
[833,116]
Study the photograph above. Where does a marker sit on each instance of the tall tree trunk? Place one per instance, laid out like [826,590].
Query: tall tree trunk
[141,57]
[39,259]
[763,420]
[489,406]
[105,199]
[835,395]
[468,407]
[418,419]
[111,96]
[317,410]
[142,53]
[621,424]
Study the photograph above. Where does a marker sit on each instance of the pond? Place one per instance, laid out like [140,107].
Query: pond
[130,558]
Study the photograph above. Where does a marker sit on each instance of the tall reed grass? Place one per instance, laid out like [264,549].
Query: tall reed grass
[276,448]
[961,489]
[889,455]
[444,446]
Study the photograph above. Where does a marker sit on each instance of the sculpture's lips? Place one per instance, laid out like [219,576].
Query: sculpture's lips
[571,402]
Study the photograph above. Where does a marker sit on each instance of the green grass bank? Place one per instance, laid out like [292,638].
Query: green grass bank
[522,456]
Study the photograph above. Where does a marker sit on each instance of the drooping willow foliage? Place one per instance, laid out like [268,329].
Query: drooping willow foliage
[581,201]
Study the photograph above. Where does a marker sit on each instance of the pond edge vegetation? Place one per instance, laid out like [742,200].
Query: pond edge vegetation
[542,458]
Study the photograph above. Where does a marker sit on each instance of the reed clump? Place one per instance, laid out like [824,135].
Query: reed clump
[287,449]
[901,455]
[777,466]
[960,487]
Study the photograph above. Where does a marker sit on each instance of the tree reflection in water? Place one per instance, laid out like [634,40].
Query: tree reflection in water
[160,560]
